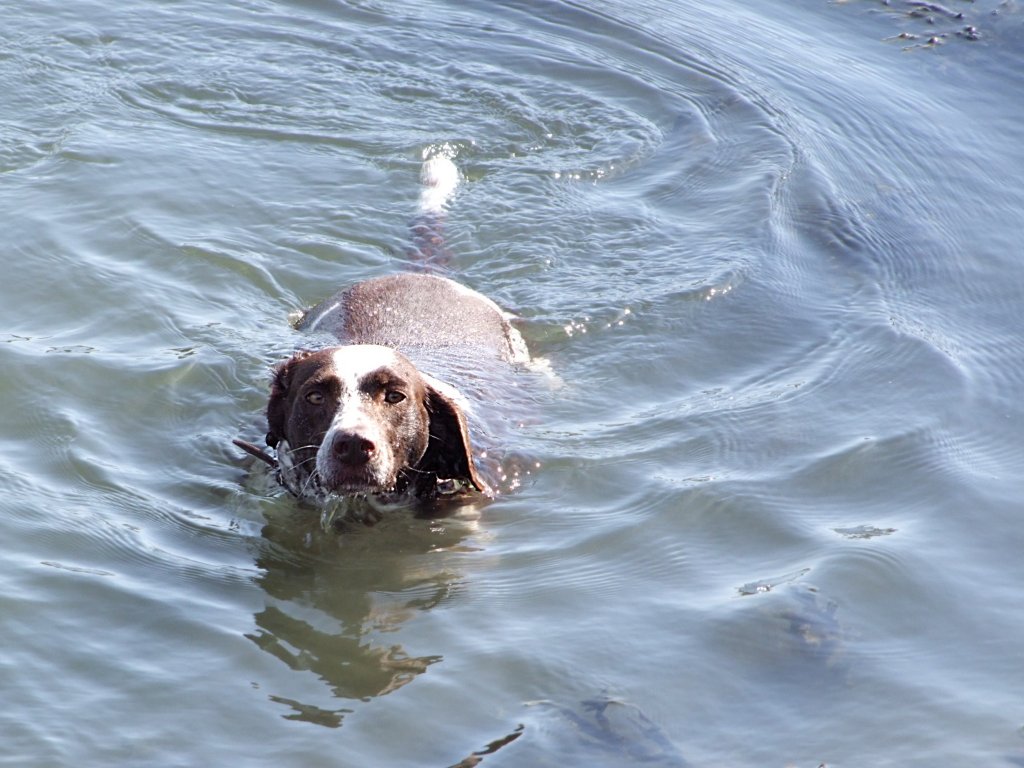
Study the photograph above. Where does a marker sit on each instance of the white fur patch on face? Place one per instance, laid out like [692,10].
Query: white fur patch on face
[351,364]
[354,361]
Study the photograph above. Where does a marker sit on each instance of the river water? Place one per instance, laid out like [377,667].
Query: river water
[772,255]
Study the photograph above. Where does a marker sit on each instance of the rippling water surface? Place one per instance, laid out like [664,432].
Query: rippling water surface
[772,252]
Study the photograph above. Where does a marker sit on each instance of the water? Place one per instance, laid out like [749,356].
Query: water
[770,250]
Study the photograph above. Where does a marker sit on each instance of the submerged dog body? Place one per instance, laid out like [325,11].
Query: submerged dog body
[359,417]
[418,311]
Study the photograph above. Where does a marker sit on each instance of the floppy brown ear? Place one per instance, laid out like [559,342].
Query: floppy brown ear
[277,406]
[448,454]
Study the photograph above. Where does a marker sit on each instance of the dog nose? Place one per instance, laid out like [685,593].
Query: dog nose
[352,449]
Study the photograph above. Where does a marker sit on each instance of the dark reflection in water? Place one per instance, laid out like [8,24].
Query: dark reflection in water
[333,599]
[599,731]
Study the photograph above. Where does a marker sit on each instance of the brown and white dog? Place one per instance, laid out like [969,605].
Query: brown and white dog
[360,418]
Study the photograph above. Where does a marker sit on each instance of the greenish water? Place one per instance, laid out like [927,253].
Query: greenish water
[772,254]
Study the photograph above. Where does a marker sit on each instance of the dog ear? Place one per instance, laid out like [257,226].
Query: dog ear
[448,453]
[277,405]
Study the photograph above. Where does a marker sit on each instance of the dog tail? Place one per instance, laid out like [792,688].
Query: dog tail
[439,178]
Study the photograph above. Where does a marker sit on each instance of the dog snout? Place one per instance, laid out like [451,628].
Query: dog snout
[352,449]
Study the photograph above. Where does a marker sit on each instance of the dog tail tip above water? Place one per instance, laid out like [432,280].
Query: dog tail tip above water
[440,178]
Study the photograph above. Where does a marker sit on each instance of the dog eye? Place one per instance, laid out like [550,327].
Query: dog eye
[393,396]
[315,398]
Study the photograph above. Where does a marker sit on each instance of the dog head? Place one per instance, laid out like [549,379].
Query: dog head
[362,419]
